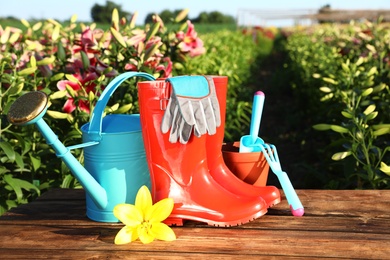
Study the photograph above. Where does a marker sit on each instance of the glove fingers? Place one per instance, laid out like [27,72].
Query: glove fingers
[213,100]
[185,132]
[187,110]
[168,117]
[216,109]
[174,134]
[200,118]
[210,116]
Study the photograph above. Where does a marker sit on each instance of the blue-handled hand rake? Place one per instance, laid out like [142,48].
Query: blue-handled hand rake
[271,155]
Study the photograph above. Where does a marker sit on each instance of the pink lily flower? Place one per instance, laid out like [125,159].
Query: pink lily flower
[190,41]
[82,89]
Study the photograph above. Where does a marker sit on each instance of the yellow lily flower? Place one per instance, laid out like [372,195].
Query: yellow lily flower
[144,220]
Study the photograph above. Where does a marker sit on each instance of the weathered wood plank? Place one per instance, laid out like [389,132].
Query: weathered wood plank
[124,254]
[228,241]
[337,224]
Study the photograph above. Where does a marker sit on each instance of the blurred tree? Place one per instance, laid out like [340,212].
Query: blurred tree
[149,18]
[202,18]
[166,15]
[213,17]
[103,13]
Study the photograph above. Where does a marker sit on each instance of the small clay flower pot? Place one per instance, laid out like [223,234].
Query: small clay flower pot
[252,167]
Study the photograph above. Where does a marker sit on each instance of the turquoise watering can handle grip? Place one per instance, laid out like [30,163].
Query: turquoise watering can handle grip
[95,126]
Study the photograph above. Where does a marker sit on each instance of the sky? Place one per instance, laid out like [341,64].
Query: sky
[62,10]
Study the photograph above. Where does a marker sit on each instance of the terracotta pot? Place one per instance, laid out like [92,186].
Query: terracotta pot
[252,168]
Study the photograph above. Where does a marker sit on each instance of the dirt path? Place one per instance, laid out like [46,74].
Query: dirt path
[277,124]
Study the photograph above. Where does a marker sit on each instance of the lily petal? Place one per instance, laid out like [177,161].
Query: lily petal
[144,234]
[126,235]
[128,214]
[143,200]
[159,211]
[163,232]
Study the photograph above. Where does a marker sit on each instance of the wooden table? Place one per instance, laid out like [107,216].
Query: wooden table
[337,224]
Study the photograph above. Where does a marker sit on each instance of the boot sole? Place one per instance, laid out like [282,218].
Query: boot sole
[178,220]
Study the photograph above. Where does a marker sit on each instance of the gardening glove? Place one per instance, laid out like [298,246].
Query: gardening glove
[179,127]
[193,106]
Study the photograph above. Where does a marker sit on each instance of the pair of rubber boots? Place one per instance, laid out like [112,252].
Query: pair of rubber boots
[194,175]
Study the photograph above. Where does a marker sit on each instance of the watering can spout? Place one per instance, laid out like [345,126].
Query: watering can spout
[29,109]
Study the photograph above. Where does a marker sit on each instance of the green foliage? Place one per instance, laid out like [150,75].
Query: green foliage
[342,79]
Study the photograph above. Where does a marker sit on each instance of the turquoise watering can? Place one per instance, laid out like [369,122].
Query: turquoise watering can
[114,156]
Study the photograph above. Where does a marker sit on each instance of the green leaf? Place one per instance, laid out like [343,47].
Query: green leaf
[33,61]
[3,170]
[371,48]
[46,61]
[85,60]
[115,18]
[37,26]
[381,131]
[369,109]
[57,115]
[372,115]
[19,160]
[330,80]
[118,37]
[57,76]
[58,94]
[14,185]
[35,161]
[67,181]
[367,92]
[340,155]
[339,129]
[325,89]
[73,19]
[114,107]
[25,23]
[321,127]
[385,168]
[380,87]
[381,126]
[372,71]
[327,97]
[72,78]
[5,35]
[123,109]
[61,55]
[16,89]
[359,61]
[182,15]
[152,31]
[346,114]
[345,67]
[27,71]
[8,150]
[14,37]
[55,34]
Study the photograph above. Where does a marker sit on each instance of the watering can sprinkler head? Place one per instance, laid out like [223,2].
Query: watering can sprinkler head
[28,108]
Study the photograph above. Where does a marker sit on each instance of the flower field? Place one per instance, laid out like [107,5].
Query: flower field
[338,77]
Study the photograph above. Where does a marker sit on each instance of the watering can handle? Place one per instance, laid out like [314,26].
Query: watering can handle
[95,126]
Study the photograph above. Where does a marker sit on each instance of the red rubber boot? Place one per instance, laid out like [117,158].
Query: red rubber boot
[179,171]
[216,164]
